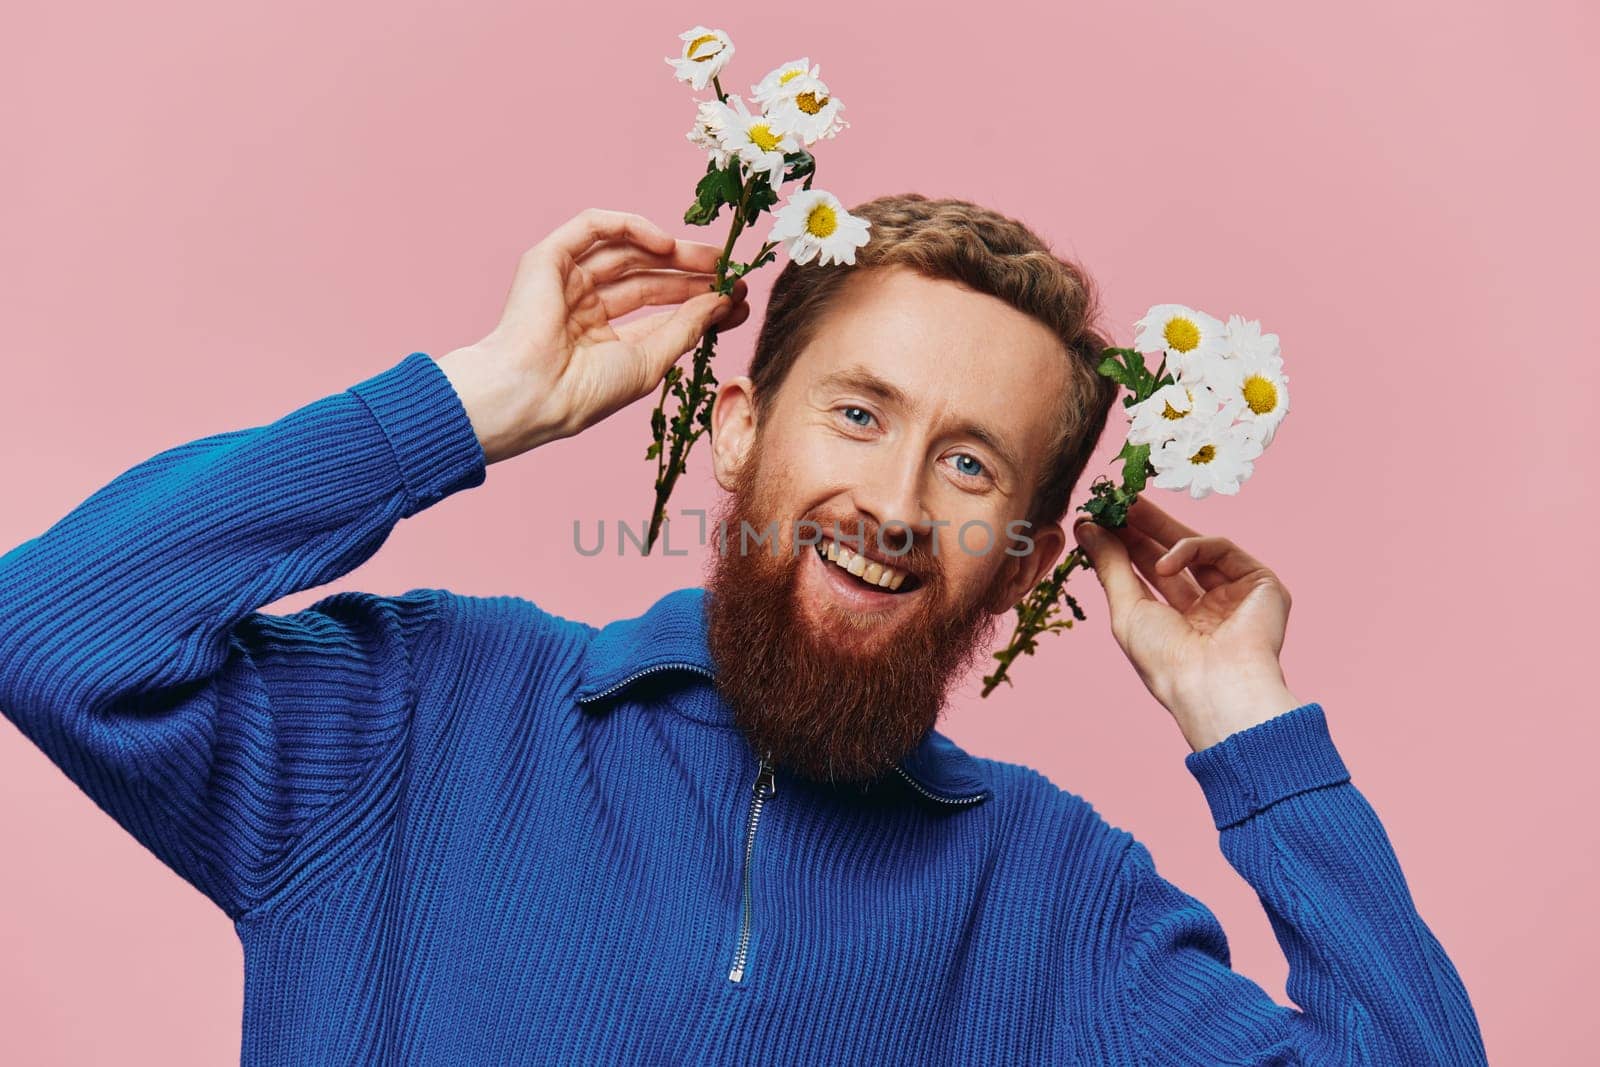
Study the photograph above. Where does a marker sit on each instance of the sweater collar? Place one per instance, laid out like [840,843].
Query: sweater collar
[671,637]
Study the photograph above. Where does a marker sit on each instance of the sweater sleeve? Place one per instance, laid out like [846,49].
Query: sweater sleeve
[238,747]
[1372,983]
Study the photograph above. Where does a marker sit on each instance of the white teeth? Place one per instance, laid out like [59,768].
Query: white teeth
[869,571]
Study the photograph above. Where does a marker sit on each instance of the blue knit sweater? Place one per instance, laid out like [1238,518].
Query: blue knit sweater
[456,829]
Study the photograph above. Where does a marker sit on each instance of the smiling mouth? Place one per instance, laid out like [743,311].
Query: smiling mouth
[868,572]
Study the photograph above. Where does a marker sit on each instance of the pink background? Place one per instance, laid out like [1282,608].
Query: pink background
[216,213]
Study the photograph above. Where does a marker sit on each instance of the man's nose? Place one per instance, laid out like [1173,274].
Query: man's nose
[890,489]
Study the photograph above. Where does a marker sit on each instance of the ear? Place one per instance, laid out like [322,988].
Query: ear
[733,428]
[1019,574]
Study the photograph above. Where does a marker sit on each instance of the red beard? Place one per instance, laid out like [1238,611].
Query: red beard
[843,704]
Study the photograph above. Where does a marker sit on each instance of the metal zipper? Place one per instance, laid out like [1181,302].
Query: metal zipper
[935,796]
[634,677]
[765,786]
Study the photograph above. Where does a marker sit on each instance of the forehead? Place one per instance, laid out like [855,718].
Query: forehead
[955,352]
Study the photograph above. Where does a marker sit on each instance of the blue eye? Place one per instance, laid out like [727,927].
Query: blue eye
[862,411]
[968,465]
[973,460]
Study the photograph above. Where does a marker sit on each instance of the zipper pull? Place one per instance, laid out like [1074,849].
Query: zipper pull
[766,781]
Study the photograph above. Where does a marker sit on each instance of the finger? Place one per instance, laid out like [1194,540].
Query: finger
[575,236]
[1144,515]
[641,287]
[1228,558]
[679,331]
[1109,557]
[1180,588]
[608,260]
[1166,531]
[1207,576]
[733,317]
[636,330]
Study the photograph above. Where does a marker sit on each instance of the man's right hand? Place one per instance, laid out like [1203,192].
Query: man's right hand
[555,365]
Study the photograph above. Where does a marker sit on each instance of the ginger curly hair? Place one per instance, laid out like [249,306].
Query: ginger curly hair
[986,251]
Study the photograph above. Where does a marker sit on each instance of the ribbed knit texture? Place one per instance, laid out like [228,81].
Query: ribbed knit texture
[456,829]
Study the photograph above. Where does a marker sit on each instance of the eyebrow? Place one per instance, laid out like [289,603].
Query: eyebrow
[866,381]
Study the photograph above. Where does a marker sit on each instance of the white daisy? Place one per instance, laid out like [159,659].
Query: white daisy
[757,143]
[705,53]
[1157,418]
[1251,379]
[1212,455]
[815,224]
[774,84]
[807,109]
[1192,340]
[710,119]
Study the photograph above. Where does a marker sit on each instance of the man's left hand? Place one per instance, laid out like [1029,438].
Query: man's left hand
[1209,652]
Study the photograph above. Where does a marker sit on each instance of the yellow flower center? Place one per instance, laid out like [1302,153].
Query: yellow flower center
[789,75]
[1206,454]
[1169,413]
[822,221]
[809,103]
[762,137]
[1260,394]
[1182,335]
[697,42]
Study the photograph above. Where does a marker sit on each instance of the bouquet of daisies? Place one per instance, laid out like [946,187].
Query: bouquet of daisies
[1199,426]
[750,154]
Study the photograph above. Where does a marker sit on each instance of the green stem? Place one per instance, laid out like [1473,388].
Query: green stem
[1031,617]
[733,232]
[1033,613]
[661,405]
[669,467]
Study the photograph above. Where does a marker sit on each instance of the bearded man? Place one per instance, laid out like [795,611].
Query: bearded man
[455,829]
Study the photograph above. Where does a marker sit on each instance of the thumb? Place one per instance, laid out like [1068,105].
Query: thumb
[681,330]
[1109,556]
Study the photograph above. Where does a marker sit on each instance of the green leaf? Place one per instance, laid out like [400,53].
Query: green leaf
[719,186]
[1115,371]
[1126,367]
[801,164]
[1135,466]
[762,197]
[701,213]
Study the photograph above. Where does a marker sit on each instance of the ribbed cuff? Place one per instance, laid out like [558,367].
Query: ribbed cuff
[428,428]
[1256,767]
